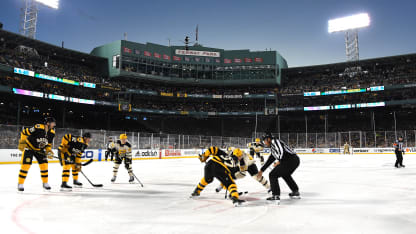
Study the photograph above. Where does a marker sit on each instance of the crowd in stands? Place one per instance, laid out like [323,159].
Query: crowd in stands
[333,78]
[45,65]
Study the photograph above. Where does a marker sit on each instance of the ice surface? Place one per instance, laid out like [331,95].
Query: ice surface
[340,194]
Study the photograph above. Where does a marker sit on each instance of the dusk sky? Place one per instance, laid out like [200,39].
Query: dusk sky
[296,29]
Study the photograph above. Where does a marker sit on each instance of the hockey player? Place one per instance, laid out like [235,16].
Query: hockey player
[255,149]
[219,167]
[111,149]
[398,150]
[69,152]
[36,142]
[287,162]
[123,152]
[245,164]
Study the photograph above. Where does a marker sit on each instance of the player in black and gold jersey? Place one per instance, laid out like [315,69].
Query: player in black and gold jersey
[70,152]
[36,142]
[219,166]
[123,152]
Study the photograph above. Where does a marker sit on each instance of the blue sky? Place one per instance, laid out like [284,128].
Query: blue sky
[297,29]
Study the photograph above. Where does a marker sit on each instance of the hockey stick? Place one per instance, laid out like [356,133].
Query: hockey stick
[94,185]
[83,164]
[137,179]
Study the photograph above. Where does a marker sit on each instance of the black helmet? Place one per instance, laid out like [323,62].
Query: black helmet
[87,135]
[267,135]
[50,120]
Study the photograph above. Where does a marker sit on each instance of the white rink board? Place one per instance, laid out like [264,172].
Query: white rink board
[340,194]
[8,156]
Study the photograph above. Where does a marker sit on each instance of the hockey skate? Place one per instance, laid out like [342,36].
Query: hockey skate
[77,184]
[237,202]
[195,193]
[65,187]
[20,188]
[113,179]
[131,180]
[274,199]
[294,195]
[46,186]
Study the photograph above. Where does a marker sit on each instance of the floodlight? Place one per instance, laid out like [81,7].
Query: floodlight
[350,26]
[49,3]
[348,23]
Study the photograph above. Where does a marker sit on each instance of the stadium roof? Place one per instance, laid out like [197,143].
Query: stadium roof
[343,65]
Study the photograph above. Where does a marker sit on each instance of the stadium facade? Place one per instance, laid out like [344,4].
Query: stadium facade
[196,64]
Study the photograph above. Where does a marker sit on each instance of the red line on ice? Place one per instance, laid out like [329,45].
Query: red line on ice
[15,214]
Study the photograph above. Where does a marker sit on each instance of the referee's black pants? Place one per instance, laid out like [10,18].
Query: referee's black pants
[399,158]
[285,170]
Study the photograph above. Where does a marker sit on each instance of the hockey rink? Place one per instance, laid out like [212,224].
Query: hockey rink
[340,194]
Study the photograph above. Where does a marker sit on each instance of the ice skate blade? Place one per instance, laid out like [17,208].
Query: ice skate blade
[294,197]
[66,190]
[275,202]
[77,186]
[240,204]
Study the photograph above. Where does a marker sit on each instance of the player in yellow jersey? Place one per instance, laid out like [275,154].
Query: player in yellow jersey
[218,166]
[70,152]
[36,142]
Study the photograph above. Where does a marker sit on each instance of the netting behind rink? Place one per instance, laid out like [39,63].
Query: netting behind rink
[356,139]
[10,134]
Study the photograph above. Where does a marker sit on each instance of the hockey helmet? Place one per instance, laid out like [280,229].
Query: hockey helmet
[123,136]
[237,152]
[267,135]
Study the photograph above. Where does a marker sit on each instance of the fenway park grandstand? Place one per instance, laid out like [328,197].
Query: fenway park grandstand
[167,95]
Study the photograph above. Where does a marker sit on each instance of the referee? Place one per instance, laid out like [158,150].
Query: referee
[287,162]
[398,150]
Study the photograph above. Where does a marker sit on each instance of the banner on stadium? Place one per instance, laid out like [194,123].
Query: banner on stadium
[198,53]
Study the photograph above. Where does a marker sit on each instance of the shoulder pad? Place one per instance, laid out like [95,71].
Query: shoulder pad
[128,144]
[52,131]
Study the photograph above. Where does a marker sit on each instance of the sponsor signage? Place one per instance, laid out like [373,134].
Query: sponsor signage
[146,153]
[198,53]
[25,72]
[172,153]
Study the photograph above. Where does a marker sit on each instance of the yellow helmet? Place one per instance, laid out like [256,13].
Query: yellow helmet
[237,152]
[257,140]
[123,136]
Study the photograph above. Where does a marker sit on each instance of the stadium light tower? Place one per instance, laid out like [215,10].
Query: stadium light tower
[350,26]
[29,15]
